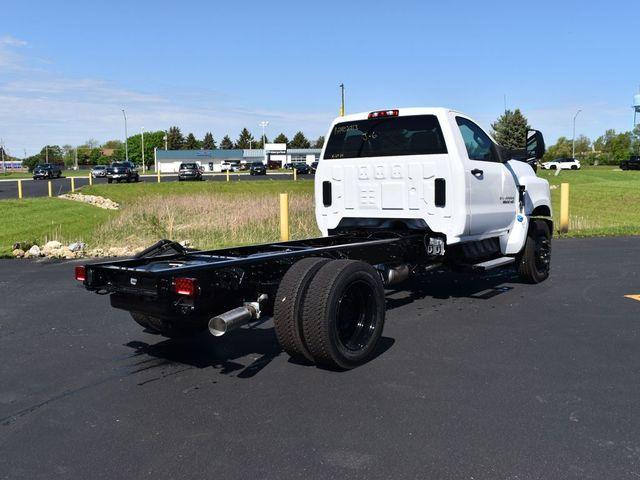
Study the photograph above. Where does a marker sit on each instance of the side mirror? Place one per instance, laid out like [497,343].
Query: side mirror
[535,145]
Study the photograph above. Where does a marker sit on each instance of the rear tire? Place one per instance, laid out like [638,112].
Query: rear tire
[343,316]
[287,312]
[535,260]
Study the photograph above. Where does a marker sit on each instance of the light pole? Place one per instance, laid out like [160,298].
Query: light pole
[126,135]
[142,142]
[263,124]
[4,165]
[342,104]
[573,142]
[165,138]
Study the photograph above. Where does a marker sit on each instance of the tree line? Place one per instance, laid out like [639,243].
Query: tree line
[510,131]
[94,153]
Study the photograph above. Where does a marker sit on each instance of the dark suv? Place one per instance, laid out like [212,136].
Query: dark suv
[632,164]
[122,171]
[48,170]
[189,171]
[258,168]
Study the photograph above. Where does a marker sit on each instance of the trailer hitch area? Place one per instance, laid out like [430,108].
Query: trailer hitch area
[236,318]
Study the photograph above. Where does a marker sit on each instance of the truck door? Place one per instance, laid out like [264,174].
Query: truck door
[492,189]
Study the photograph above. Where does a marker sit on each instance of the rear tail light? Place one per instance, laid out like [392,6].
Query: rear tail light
[384,113]
[186,286]
[81,273]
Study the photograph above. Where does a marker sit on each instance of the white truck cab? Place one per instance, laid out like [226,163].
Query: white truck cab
[427,168]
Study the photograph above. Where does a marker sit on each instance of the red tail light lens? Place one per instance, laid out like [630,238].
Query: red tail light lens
[384,113]
[186,286]
[81,273]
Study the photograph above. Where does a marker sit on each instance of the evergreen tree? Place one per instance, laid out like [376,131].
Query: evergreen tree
[175,140]
[245,140]
[226,143]
[191,143]
[510,130]
[208,143]
[300,141]
[319,142]
[282,138]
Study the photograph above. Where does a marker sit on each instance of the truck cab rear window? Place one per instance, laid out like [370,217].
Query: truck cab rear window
[384,137]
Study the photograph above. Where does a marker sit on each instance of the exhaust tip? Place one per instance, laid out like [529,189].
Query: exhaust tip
[217,326]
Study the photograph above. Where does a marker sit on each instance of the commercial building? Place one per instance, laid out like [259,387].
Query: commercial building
[275,155]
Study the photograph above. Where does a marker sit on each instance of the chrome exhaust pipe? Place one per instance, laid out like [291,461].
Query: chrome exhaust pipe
[225,322]
[395,275]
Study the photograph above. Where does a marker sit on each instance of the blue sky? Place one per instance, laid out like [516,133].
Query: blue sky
[67,68]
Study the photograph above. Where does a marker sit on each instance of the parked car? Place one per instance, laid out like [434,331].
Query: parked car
[258,168]
[562,164]
[189,171]
[122,171]
[632,164]
[47,170]
[313,167]
[99,171]
[301,168]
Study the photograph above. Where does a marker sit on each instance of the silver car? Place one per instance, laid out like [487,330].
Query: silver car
[99,171]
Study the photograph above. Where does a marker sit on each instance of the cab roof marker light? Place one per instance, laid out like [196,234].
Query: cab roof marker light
[384,113]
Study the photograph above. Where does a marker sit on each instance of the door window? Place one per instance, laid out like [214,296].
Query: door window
[479,145]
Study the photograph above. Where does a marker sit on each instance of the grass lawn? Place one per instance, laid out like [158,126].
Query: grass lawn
[38,220]
[603,201]
[65,173]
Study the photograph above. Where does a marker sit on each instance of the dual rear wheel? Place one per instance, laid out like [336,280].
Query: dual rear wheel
[330,312]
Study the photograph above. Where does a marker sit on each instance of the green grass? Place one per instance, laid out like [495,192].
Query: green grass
[603,201]
[65,173]
[39,220]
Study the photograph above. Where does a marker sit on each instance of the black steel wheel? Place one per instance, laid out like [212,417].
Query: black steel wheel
[343,316]
[534,263]
[287,309]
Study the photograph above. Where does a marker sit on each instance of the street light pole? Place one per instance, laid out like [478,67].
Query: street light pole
[573,142]
[342,104]
[4,165]
[142,142]
[126,135]
[263,124]
[166,138]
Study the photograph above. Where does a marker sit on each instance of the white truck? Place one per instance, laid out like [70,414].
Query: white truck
[397,192]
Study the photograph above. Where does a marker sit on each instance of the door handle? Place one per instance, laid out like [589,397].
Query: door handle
[477,172]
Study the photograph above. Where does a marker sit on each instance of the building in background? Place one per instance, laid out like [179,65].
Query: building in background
[275,155]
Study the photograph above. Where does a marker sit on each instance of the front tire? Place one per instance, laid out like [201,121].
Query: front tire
[344,311]
[534,262]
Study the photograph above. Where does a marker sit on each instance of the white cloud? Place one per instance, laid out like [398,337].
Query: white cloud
[40,107]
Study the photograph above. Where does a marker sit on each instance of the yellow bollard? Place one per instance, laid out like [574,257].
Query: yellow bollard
[90,180]
[73,184]
[284,217]
[227,174]
[564,208]
[158,173]
[19,188]
[295,174]
[50,193]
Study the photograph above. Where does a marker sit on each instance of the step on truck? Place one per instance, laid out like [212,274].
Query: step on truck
[397,192]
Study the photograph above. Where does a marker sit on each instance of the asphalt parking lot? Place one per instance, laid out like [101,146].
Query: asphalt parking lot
[40,188]
[476,378]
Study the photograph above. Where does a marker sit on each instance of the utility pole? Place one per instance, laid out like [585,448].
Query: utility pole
[75,158]
[342,104]
[573,142]
[126,135]
[142,142]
